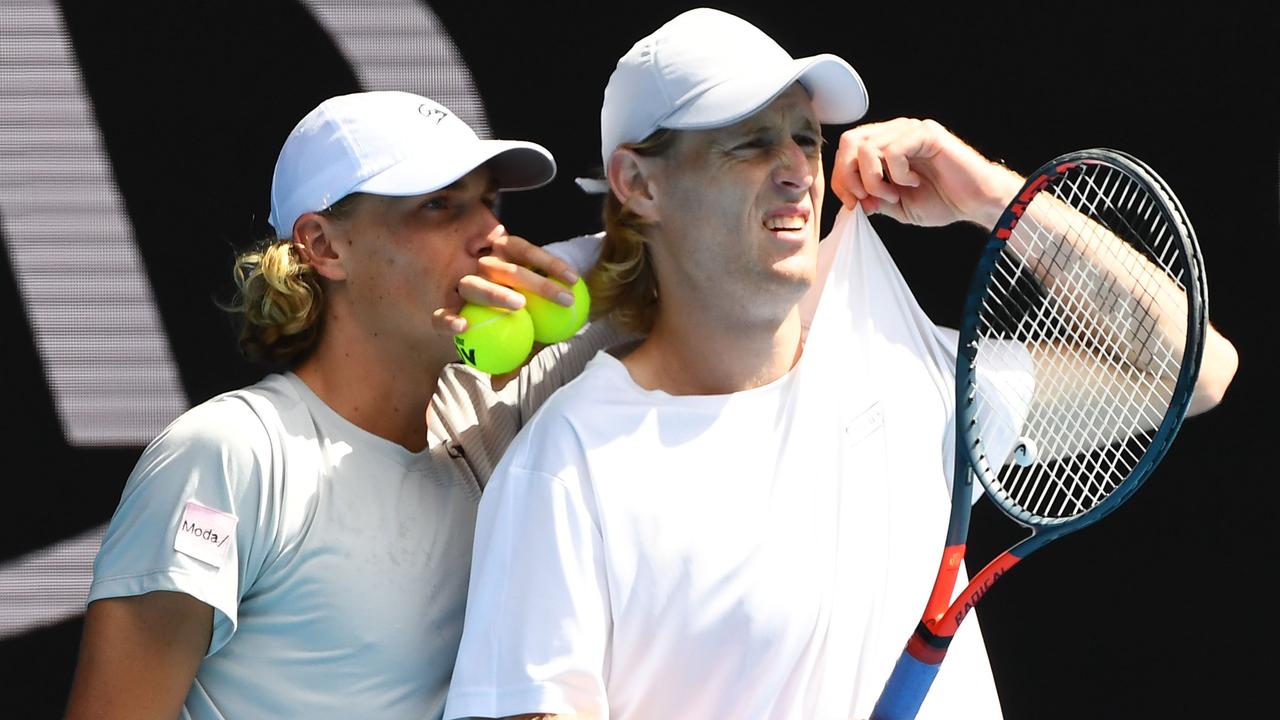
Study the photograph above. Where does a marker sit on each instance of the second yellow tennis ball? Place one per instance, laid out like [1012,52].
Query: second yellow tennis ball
[553,322]
[496,340]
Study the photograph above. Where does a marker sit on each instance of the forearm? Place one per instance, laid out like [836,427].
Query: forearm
[1107,288]
[1120,311]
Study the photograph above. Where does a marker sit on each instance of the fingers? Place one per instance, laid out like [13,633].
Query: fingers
[519,251]
[845,180]
[873,173]
[516,265]
[895,160]
[447,322]
[875,161]
[493,285]
[477,290]
[500,280]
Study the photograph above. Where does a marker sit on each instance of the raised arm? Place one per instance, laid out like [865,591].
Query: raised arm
[139,656]
[916,171]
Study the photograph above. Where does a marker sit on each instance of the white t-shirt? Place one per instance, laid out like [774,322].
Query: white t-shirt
[336,561]
[762,554]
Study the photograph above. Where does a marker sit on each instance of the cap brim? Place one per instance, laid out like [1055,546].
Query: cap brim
[516,165]
[835,88]
[592,186]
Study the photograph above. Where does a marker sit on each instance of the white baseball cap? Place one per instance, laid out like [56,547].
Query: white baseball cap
[708,69]
[389,143]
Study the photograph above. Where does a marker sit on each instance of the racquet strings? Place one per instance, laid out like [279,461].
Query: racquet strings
[1106,337]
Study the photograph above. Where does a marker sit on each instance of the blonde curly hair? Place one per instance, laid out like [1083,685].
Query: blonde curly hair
[622,283]
[279,298]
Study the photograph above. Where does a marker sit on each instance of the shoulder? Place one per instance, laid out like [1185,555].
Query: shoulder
[601,386]
[245,415]
[237,432]
[574,417]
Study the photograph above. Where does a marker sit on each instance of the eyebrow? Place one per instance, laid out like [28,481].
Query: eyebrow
[754,125]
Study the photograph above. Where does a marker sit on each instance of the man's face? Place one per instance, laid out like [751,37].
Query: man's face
[404,257]
[739,207]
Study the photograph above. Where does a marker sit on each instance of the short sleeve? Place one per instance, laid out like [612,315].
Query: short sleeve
[537,624]
[214,455]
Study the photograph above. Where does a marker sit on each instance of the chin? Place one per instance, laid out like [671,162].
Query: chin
[801,268]
[782,288]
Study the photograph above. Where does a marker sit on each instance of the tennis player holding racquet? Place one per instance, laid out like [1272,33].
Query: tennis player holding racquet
[736,518]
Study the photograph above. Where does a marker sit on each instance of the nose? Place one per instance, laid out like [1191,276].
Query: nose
[487,231]
[795,171]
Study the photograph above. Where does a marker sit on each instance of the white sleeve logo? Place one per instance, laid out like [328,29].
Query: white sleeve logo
[205,534]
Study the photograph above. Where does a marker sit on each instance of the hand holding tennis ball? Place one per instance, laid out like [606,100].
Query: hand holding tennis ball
[553,322]
[498,341]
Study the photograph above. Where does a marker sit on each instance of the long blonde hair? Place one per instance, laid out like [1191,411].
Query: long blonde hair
[279,298]
[623,283]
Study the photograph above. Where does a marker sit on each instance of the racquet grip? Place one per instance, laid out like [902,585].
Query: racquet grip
[904,692]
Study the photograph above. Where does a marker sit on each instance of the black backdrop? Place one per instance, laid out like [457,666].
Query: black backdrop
[1151,613]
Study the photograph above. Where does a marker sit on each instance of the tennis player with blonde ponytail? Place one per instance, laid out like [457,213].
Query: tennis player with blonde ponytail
[300,547]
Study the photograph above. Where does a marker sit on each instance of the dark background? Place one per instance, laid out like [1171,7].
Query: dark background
[1153,613]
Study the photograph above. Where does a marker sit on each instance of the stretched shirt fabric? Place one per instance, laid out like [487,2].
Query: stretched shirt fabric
[761,554]
[335,560]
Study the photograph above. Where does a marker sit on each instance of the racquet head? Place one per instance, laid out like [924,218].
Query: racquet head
[1094,269]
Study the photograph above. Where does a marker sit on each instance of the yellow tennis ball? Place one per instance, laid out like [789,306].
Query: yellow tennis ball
[496,340]
[553,322]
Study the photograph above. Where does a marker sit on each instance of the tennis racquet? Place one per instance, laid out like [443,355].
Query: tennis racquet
[1095,272]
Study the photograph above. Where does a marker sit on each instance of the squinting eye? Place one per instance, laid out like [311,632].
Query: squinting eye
[435,203]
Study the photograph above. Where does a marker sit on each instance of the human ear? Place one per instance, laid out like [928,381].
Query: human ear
[313,237]
[631,181]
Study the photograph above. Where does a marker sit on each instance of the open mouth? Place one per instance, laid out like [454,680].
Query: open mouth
[787,218]
[785,222]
